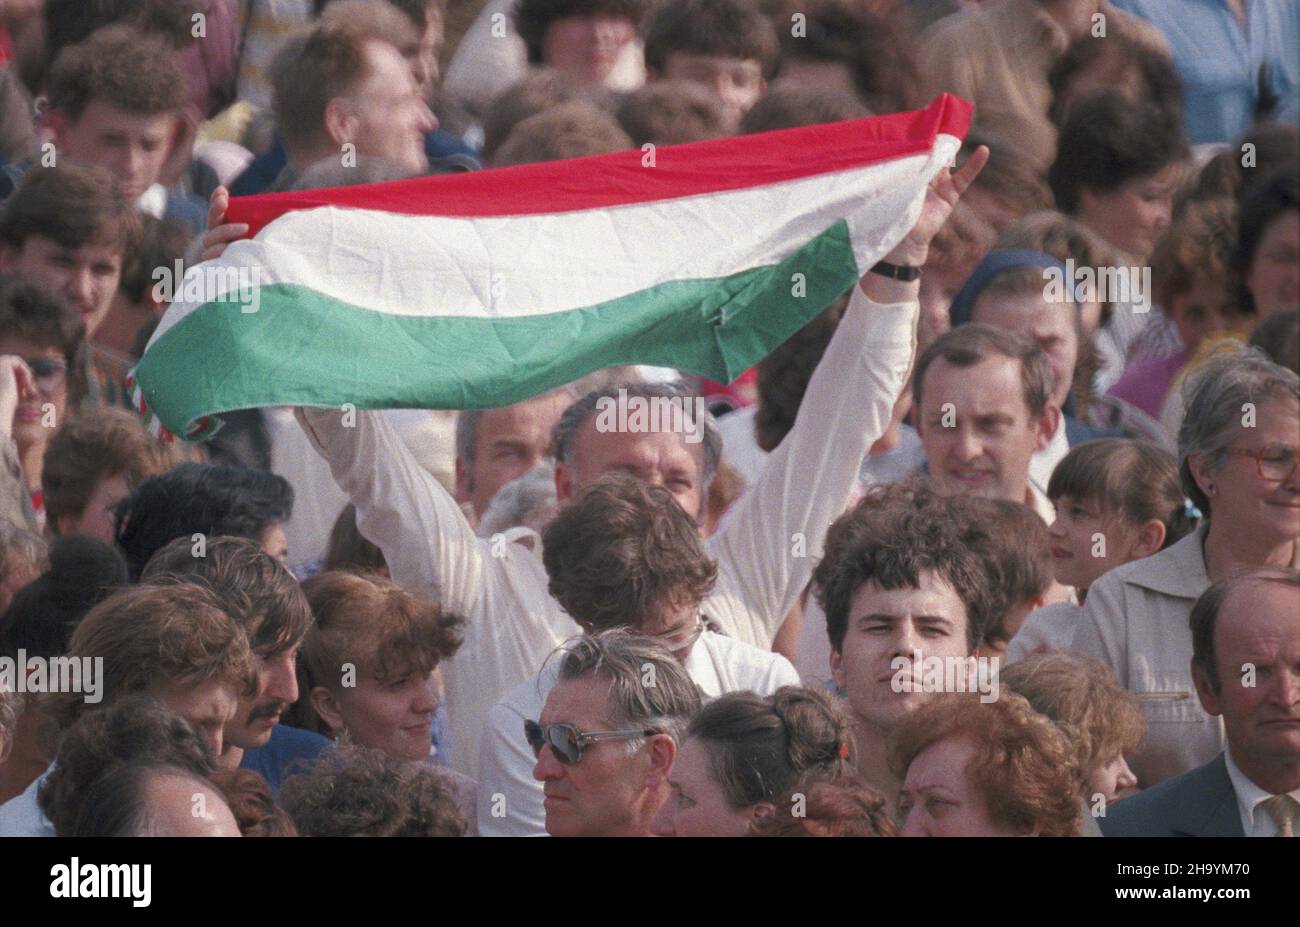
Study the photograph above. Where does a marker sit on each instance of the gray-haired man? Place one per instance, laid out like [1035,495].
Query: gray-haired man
[609,733]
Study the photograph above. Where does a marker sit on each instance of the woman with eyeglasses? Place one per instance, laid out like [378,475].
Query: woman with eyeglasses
[1239,453]
[744,753]
[39,336]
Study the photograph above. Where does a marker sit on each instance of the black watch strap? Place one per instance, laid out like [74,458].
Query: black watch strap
[897,271]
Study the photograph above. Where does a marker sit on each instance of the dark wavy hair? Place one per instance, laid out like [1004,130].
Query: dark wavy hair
[892,536]
[207,499]
[1108,140]
[759,747]
[622,553]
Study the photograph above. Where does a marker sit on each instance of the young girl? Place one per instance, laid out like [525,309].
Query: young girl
[1117,500]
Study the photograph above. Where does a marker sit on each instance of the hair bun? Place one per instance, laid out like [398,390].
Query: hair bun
[815,730]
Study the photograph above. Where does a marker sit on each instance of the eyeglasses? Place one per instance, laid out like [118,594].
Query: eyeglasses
[677,644]
[568,742]
[1274,462]
[50,375]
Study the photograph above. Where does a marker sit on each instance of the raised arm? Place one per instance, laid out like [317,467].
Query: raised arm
[428,545]
[767,549]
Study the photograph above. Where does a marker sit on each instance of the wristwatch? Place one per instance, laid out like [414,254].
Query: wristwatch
[897,271]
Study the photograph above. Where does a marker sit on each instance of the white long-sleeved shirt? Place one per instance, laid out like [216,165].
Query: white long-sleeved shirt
[510,800]
[765,552]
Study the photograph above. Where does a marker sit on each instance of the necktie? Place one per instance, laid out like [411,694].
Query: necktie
[1285,812]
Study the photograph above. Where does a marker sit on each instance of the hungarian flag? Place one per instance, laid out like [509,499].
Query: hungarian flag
[479,290]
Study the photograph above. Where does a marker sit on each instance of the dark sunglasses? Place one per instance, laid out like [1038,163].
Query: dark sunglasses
[568,742]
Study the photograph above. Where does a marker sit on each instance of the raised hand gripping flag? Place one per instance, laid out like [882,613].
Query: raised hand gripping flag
[479,290]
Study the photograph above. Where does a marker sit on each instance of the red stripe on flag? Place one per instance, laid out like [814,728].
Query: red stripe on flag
[618,179]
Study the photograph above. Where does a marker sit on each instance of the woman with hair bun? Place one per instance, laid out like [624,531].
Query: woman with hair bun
[743,752]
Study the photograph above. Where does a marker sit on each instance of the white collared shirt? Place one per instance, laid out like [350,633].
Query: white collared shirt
[1254,822]
[1044,462]
[153,201]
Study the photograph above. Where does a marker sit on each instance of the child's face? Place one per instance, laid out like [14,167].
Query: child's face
[1202,312]
[737,82]
[131,146]
[1087,542]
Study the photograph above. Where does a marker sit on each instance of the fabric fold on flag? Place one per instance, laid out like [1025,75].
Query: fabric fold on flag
[479,290]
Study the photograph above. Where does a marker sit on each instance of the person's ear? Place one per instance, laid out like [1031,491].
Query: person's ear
[1150,538]
[1048,422]
[1201,473]
[327,709]
[662,751]
[55,125]
[340,122]
[563,482]
[837,668]
[1205,692]
[761,811]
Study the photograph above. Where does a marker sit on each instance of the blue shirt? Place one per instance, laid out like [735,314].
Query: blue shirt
[1220,64]
[289,749]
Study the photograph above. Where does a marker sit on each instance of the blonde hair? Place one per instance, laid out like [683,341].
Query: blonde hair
[1081,696]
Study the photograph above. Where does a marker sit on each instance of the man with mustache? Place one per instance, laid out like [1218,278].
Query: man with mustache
[263,598]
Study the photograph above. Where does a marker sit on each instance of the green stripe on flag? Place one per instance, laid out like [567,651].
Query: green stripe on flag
[305,348]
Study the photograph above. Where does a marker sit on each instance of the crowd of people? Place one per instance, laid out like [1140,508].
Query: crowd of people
[1005,542]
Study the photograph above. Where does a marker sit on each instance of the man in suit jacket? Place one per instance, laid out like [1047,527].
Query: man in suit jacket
[1200,803]
[1245,650]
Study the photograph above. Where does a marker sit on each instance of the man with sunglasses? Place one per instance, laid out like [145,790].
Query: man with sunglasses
[621,555]
[608,735]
